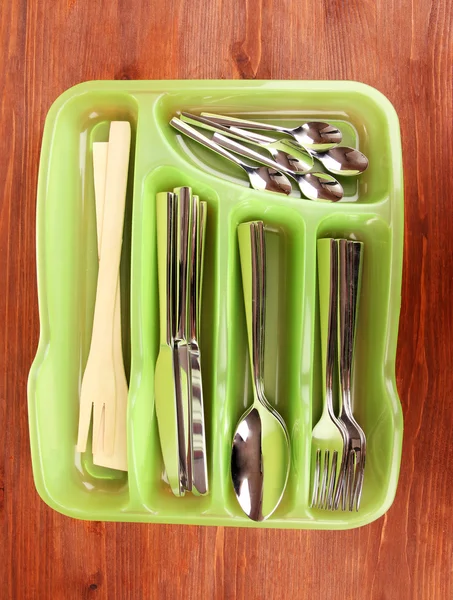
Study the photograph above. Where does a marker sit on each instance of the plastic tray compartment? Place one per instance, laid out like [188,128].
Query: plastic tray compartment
[372,212]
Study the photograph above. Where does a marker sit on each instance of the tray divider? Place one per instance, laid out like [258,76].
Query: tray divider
[142,432]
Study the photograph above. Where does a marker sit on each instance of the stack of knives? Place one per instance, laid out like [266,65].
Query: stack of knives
[181,226]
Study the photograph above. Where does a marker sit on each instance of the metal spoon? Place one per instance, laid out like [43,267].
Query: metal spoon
[341,160]
[261,178]
[260,455]
[295,157]
[316,135]
[315,186]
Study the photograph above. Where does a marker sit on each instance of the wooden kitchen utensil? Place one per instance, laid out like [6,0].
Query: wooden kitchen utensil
[98,391]
[117,460]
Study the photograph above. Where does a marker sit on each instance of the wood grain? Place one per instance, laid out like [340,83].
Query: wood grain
[405,49]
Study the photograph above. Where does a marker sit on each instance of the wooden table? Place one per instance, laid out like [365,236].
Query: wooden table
[404,49]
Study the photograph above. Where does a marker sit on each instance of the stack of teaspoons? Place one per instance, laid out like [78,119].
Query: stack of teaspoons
[311,143]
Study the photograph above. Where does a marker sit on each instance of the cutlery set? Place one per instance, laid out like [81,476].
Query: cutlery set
[211,354]
[260,455]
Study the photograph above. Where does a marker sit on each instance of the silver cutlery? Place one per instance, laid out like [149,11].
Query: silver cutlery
[338,442]
[181,223]
[316,135]
[314,186]
[350,489]
[293,157]
[261,178]
[340,160]
[198,441]
[329,436]
[260,454]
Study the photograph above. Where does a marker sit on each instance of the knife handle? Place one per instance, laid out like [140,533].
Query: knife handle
[201,245]
[165,211]
[194,266]
[184,210]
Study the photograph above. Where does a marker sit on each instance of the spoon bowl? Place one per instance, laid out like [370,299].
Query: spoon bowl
[317,136]
[320,186]
[341,160]
[264,178]
[260,449]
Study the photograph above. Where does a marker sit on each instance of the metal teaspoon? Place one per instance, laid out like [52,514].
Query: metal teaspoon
[316,135]
[260,455]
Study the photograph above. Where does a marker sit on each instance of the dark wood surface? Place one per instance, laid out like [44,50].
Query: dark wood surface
[404,48]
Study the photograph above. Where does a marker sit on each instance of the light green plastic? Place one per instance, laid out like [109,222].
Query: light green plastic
[67,272]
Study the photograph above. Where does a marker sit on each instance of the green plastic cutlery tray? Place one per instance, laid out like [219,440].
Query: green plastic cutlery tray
[372,212]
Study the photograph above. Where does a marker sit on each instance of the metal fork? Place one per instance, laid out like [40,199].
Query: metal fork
[349,489]
[329,436]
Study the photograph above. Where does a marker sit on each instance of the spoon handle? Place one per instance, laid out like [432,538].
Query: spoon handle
[233,132]
[235,122]
[249,153]
[205,141]
[252,256]
[261,297]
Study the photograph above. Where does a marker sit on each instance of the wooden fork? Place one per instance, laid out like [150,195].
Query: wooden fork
[98,391]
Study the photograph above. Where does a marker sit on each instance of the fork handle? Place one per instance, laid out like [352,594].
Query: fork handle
[112,230]
[350,268]
[328,307]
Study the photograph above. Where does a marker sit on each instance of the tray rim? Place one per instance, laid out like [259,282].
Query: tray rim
[396,223]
